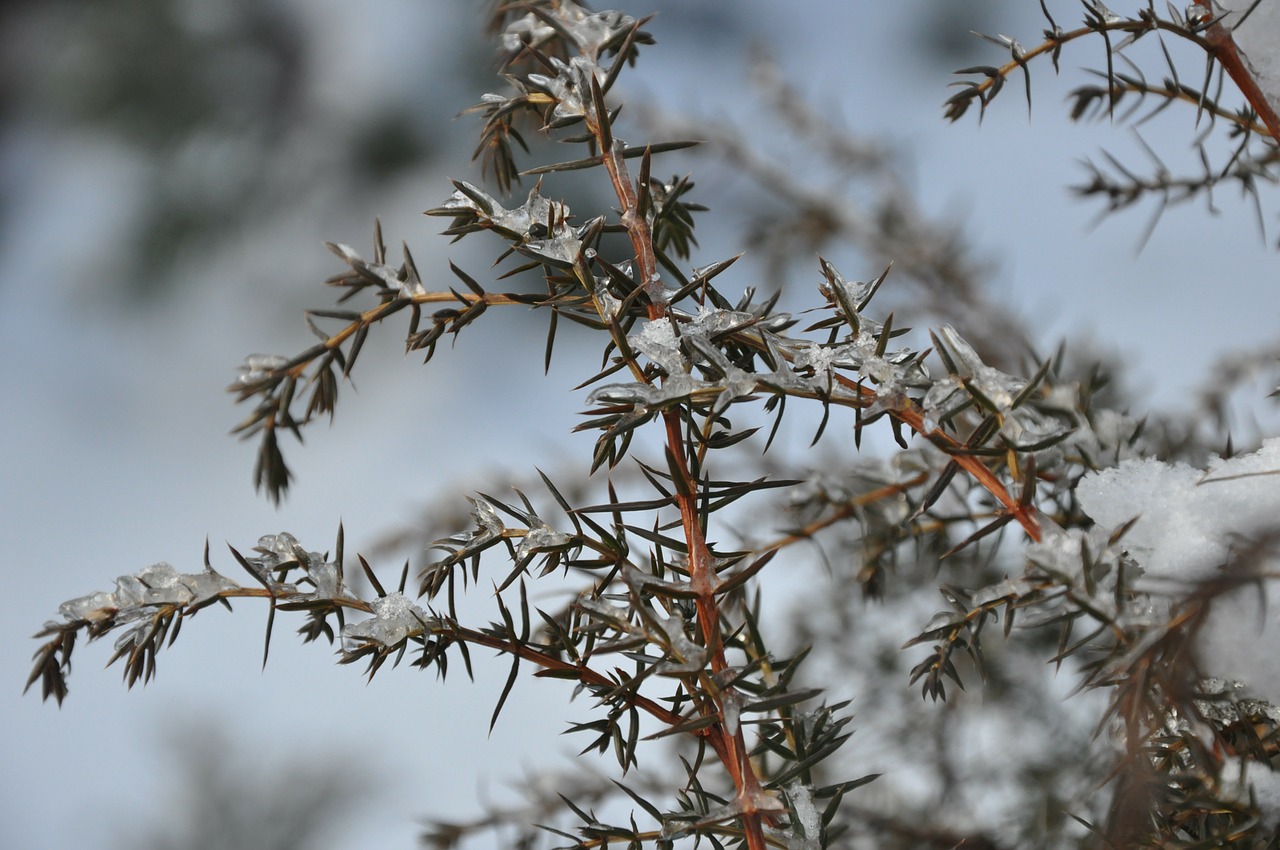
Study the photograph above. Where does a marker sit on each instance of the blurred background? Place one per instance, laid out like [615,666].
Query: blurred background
[168,172]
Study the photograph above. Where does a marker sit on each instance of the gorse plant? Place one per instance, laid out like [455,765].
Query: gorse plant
[1018,474]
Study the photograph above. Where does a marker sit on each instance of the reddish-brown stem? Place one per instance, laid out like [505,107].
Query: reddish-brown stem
[715,736]
[1223,48]
[913,418]
[702,576]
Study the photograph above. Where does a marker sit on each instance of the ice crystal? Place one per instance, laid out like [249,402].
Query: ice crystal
[945,398]
[486,516]
[540,538]
[590,31]
[569,86]
[394,618]
[657,340]
[156,585]
[684,656]
[520,221]
[92,608]
[207,585]
[327,579]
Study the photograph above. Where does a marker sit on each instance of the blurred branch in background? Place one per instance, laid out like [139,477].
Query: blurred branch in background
[225,795]
[227,117]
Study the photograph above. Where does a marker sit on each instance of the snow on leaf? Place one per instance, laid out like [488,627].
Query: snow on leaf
[1186,519]
[1189,524]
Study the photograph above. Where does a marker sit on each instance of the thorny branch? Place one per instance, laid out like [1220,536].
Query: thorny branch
[677,613]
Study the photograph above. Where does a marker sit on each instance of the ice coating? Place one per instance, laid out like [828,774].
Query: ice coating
[563,250]
[945,397]
[345,251]
[996,386]
[589,30]
[92,608]
[529,30]
[486,515]
[678,387]
[207,585]
[685,655]
[540,223]
[976,381]
[609,305]
[404,280]
[711,321]
[1010,588]
[1026,426]
[156,585]
[569,85]
[394,618]
[277,551]
[259,366]
[657,340]
[327,578]
[675,354]
[730,711]
[1103,12]
[540,538]
[847,294]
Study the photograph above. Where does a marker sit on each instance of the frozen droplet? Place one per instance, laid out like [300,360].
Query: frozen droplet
[327,580]
[1106,14]
[657,340]
[540,539]
[206,585]
[486,515]
[943,398]
[564,250]
[394,619]
[343,250]
[684,656]
[94,608]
